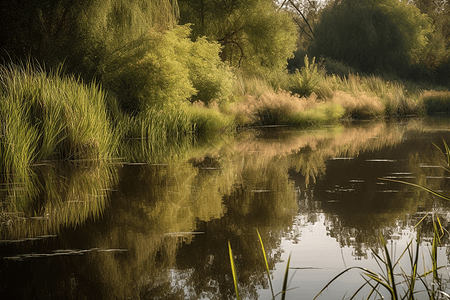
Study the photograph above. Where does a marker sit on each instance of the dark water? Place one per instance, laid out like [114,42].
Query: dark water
[161,231]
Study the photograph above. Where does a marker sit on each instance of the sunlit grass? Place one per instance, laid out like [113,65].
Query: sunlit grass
[436,101]
[283,108]
[394,278]
[274,98]
[398,281]
[209,120]
[46,116]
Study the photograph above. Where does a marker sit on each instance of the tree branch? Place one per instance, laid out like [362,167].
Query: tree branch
[303,17]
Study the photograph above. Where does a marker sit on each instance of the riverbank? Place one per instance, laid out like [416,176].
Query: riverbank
[51,116]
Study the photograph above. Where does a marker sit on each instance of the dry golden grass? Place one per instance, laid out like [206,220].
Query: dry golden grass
[436,101]
[360,105]
[280,108]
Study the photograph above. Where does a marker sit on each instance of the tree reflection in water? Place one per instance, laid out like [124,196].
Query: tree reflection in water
[164,231]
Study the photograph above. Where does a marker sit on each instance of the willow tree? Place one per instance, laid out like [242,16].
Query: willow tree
[254,34]
[372,35]
[80,32]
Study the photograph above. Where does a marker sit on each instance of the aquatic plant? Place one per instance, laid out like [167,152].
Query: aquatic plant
[391,278]
[50,116]
[394,276]
[286,273]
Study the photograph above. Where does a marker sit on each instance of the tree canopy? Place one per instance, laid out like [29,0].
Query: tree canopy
[372,35]
[254,34]
[79,32]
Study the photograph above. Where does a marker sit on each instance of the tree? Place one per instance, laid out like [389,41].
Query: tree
[254,34]
[305,11]
[372,35]
[436,56]
[79,32]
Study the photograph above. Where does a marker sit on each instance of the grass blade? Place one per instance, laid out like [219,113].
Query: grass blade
[286,275]
[420,187]
[266,263]
[339,275]
[436,241]
[414,265]
[390,270]
[233,271]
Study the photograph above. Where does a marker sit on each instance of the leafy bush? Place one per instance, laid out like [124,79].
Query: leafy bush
[208,74]
[167,69]
[83,34]
[254,34]
[150,73]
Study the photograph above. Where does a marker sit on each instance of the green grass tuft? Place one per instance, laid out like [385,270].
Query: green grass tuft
[50,116]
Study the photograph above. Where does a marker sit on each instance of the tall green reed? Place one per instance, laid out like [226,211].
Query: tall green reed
[393,275]
[284,289]
[48,116]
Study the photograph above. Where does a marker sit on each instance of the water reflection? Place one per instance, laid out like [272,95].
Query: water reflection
[56,196]
[155,231]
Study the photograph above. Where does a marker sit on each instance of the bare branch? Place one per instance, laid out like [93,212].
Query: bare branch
[303,17]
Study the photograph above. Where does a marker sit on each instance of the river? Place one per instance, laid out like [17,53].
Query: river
[159,229]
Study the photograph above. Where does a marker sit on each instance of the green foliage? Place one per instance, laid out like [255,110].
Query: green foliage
[153,72]
[81,33]
[254,34]
[271,37]
[372,36]
[306,81]
[208,121]
[211,78]
[167,69]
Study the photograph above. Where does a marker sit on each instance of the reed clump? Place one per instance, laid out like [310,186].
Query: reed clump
[46,116]
[436,101]
[283,108]
[398,281]
[209,119]
[359,106]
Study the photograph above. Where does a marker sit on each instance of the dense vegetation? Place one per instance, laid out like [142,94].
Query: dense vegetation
[81,77]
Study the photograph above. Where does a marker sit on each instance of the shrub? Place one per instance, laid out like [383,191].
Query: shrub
[152,73]
[167,68]
[208,74]
[359,106]
[435,101]
[305,82]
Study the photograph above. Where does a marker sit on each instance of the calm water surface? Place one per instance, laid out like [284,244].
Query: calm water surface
[161,230]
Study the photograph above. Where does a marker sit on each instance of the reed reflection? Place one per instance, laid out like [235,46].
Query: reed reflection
[57,196]
[164,232]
